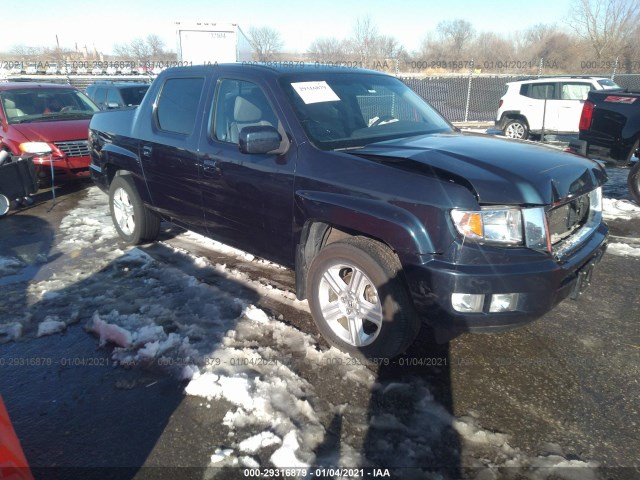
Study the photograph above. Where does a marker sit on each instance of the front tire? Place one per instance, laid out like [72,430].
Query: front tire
[633,182]
[133,221]
[358,301]
[517,129]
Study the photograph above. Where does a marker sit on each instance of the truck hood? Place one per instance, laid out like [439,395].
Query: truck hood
[54,131]
[498,171]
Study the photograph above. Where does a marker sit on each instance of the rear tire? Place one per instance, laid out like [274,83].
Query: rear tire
[358,301]
[517,129]
[633,182]
[134,222]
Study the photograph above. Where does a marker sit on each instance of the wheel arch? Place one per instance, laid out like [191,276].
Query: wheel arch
[332,217]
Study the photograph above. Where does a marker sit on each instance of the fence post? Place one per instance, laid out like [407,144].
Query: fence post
[466,108]
[540,67]
[615,67]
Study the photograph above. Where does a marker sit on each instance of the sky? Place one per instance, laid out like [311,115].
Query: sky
[104,24]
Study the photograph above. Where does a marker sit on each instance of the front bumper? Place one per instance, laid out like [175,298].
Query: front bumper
[64,168]
[540,281]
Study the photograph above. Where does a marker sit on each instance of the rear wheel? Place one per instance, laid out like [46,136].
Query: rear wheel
[133,221]
[358,302]
[633,182]
[516,128]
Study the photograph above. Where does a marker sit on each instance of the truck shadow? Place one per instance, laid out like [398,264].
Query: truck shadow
[410,418]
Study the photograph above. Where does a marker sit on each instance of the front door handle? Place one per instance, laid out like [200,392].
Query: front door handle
[147,150]
[211,168]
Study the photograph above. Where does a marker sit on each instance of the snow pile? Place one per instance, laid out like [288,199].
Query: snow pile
[10,331]
[10,265]
[623,209]
[108,332]
[623,250]
[89,225]
[50,326]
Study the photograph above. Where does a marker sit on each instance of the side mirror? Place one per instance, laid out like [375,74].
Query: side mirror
[259,139]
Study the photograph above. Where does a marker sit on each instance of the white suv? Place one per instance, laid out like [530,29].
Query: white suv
[552,104]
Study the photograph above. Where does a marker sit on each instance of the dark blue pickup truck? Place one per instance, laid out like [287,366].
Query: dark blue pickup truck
[387,213]
[610,131]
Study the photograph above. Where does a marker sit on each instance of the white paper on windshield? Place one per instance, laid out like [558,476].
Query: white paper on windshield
[315,92]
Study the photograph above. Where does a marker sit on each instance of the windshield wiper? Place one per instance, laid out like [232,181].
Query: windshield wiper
[58,115]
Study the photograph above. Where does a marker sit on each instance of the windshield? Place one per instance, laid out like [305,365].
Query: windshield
[43,104]
[607,84]
[347,110]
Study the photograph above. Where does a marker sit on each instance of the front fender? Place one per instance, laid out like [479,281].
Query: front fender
[396,226]
[119,154]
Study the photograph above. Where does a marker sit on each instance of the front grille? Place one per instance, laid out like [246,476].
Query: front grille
[572,223]
[74,148]
[565,219]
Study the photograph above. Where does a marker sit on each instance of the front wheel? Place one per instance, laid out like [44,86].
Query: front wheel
[133,221]
[517,129]
[357,300]
[633,182]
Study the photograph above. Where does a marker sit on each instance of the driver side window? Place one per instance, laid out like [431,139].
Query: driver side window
[240,104]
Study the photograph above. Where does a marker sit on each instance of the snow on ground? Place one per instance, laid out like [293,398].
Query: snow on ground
[292,402]
[623,250]
[623,209]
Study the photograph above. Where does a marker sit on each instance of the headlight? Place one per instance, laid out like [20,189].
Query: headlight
[35,147]
[492,224]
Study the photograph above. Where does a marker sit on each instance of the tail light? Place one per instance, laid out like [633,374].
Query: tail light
[500,103]
[587,115]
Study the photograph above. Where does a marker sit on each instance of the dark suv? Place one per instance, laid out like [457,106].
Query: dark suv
[108,95]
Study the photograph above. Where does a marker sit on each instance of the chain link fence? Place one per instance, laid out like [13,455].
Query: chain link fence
[470,97]
[474,97]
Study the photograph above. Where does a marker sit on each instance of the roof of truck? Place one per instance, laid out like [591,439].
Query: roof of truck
[285,67]
[23,85]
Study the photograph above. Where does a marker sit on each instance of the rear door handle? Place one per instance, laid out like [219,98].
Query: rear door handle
[147,150]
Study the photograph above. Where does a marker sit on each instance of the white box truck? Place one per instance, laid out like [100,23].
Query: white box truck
[207,43]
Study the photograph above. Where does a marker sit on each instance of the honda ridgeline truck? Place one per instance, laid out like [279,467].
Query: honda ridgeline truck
[387,213]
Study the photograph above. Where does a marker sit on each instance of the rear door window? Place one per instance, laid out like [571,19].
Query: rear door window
[178,104]
[542,91]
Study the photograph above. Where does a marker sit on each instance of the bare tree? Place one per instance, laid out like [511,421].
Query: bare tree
[548,42]
[329,49]
[364,37]
[146,49]
[605,24]
[458,33]
[266,42]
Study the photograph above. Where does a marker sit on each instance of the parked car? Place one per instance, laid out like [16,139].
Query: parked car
[38,118]
[387,214]
[610,131]
[107,94]
[551,104]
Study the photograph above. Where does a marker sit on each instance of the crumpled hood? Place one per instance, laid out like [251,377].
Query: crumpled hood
[53,131]
[498,171]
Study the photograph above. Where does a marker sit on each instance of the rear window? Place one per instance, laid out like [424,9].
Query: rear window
[178,104]
[133,95]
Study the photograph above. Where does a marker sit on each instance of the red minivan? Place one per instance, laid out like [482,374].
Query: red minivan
[50,121]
